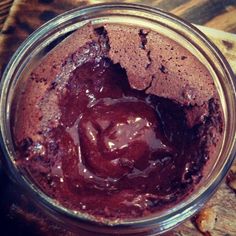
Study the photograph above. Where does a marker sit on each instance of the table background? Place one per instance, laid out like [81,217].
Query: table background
[21,17]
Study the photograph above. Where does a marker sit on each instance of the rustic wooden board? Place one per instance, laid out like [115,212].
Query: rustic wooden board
[27,15]
[4,10]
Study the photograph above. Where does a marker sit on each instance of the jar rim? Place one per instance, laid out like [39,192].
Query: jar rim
[186,209]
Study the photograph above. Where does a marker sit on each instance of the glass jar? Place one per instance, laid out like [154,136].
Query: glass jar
[50,34]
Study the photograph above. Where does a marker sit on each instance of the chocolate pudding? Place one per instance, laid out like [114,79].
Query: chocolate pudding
[118,122]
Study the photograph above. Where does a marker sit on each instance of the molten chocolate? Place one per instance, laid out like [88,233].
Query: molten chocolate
[99,146]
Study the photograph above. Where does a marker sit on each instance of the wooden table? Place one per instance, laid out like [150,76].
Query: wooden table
[16,217]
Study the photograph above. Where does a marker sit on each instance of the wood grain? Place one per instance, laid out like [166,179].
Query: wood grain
[5,6]
[219,14]
[26,15]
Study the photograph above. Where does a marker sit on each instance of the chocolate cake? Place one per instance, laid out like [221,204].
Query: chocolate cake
[118,122]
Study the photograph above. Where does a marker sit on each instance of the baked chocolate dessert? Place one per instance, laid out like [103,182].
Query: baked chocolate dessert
[117,122]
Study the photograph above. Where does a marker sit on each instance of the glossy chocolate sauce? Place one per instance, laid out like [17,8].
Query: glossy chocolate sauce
[117,152]
[97,145]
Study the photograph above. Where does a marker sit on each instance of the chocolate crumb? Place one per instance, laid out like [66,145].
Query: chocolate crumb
[143,36]
[163,69]
[205,220]
[25,144]
[231,178]
[228,45]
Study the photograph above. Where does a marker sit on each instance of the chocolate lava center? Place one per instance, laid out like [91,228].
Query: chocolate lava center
[118,135]
[125,138]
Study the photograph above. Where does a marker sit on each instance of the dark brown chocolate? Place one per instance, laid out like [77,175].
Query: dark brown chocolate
[118,122]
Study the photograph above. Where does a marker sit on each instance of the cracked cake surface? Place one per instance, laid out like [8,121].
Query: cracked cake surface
[117,121]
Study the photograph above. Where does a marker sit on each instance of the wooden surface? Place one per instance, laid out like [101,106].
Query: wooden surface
[4,10]
[27,15]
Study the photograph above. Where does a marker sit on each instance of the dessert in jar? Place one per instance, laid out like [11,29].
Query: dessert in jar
[118,122]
